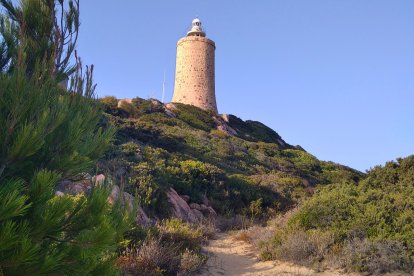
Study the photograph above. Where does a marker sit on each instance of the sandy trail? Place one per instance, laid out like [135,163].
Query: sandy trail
[228,256]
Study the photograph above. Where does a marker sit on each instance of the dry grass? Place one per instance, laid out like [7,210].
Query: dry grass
[234,223]
[319,250]
[208,228]
[304,248]
[375,257]
[242,236]
[191,262]
[151,258]
[258,235]
[172,249]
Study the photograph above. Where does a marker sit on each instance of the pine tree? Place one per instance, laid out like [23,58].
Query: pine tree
[46,31]
[48,133]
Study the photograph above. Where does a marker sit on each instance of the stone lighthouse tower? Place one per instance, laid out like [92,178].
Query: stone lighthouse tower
[194,73]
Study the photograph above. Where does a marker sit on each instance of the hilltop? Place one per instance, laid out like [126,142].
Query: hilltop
[235,164]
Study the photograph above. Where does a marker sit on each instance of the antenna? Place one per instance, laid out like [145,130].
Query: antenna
[163,88]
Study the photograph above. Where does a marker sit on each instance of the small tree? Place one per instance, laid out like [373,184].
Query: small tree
[48,133]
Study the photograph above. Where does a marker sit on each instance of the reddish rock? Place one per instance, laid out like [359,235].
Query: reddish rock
[180,208]
[123,101]
[98,179]
[169,113]
[142,218]
[226,129]
[73,188]
[212,212]
[114,194]
[205,200]
[186,198]
[195,206]
[208,211]
[129,200]
[198,214]
[170,106]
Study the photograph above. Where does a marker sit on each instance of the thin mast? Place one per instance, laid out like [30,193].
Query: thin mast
[163,88]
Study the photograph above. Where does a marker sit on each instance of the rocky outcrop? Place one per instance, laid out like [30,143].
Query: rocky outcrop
[84,186]
[226,129]
[223,126]
[193,212]
[129,201]
[207,211]
[124,101]
[73,188]
[186,198]
[114,195]
[180,209]
[169,109]
[98,179]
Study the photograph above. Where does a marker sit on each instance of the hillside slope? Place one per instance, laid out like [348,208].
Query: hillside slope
[240,166]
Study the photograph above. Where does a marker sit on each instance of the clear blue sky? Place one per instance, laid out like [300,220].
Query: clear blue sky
[334,76]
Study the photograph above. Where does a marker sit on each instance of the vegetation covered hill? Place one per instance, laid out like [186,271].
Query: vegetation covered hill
[242,167]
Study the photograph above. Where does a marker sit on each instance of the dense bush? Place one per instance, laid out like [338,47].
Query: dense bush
[254,131]
[195,117]
[371,223]
[377,208]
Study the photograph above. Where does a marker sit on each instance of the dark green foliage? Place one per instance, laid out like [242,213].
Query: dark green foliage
[195,117]
[48,134]
[146,107]
[47,128]
[238,193]
[44,234]
[110,104]
[255,131]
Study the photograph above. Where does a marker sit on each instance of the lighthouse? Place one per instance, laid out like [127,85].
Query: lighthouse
[195,69]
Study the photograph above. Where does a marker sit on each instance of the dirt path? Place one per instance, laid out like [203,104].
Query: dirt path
[227,256]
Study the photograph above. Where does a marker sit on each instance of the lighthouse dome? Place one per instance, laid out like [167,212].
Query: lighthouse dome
[196,29]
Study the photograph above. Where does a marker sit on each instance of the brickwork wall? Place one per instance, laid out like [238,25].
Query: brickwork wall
[195,73]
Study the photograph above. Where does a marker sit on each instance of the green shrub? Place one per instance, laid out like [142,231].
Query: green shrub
[195,117]
[129,108]
[175,231]
[110,103]
[195,178]
[147,106]
[255,131]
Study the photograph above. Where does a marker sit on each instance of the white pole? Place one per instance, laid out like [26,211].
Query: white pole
[163,88]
